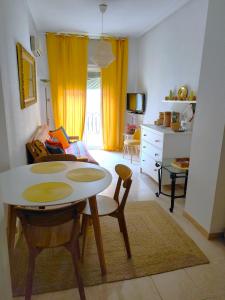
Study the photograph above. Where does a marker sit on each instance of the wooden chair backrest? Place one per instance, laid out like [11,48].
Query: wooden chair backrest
[56,157]
[40,224]
[124,179]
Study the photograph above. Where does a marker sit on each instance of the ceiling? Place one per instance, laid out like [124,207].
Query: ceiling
[122,18]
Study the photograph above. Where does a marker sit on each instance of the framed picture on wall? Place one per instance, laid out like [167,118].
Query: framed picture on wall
[27,77]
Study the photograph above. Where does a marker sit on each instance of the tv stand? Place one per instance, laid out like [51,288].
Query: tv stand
[136,112]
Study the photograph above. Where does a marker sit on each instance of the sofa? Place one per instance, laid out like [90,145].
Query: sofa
[37,150]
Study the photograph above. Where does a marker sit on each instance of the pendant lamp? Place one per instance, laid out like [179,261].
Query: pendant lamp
[102,54]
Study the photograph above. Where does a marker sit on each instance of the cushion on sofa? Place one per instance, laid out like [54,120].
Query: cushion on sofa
[61,136]
[54,147]
[79,150]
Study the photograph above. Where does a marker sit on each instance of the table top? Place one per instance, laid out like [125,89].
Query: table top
[14,181]
[166,164]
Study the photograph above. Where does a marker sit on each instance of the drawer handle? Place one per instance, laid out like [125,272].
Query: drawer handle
[144,147]
[155,170]
[143,159]
[157,141]
[145,134]
[156,154]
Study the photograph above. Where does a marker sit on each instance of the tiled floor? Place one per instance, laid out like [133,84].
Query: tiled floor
[196,283]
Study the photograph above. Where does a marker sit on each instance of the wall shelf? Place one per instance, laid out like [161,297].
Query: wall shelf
[180,101]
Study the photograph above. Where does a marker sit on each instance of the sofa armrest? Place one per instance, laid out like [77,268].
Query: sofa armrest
[82,159]
[56,157]
[74,138]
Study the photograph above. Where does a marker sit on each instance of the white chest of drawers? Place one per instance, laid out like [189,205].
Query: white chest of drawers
[158,143]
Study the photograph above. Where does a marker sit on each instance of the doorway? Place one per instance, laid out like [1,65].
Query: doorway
[93,124]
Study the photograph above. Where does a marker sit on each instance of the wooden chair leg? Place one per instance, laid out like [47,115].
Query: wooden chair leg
[97,232]
[78,276]
[11,228]
[30,274]
[85,222]
[82,225]
[125,234]
[120,225]
[78,248]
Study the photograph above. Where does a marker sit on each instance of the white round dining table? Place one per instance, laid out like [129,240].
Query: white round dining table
[14,182]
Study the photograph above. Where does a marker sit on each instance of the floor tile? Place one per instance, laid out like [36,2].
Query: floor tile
[210,278]
[176,285]
[141,289]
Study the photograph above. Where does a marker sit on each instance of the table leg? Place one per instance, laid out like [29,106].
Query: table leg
[173,187]
[97,231]
[11,228]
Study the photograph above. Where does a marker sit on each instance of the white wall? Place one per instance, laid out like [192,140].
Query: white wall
[43,73]
[4,151]
[16,25]
[205,195]
[170,56]
[132,65]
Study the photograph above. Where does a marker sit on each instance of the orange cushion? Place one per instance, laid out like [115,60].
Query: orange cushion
[60,136]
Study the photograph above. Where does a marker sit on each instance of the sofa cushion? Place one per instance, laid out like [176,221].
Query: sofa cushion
[54,147]
[79,150]
[61,136]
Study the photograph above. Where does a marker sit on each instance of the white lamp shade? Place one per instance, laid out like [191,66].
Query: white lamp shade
[102,54]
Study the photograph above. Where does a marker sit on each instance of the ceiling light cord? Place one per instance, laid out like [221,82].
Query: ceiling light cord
[103,8]
[102,24]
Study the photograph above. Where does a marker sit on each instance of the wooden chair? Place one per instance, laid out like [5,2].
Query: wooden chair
[49,229]
[131,146]
[11,228]
[112,206]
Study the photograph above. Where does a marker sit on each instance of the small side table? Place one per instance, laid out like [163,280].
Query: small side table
[175,173]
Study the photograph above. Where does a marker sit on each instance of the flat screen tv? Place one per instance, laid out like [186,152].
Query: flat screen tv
[136,102]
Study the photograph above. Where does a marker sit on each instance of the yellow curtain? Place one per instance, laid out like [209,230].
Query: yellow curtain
[114,88]
[67,59]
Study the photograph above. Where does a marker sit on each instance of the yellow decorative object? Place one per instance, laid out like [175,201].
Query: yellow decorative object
[182,93]
[48,167]
[114,88]
[68,59]
[47,192]
[27,77]
[85,174]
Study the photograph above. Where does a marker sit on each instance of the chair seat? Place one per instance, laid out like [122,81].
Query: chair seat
[131,142]
[106,205]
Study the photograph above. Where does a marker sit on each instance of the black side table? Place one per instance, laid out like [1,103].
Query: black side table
[175,173]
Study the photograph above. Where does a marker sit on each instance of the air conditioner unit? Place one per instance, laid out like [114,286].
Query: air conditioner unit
[35,45]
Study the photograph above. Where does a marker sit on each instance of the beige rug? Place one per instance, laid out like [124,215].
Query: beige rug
[158,245]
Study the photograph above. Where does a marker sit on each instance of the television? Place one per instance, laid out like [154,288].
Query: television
[136,103]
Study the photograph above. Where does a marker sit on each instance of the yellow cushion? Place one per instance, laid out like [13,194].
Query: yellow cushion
[137,134]
[132,142]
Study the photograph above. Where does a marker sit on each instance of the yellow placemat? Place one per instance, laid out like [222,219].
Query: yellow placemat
[85,174]
[47,192]
[48,167]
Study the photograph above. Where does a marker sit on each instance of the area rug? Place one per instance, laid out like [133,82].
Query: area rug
[158,245]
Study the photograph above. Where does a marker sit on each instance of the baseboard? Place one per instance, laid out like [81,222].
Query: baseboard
[209,236]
